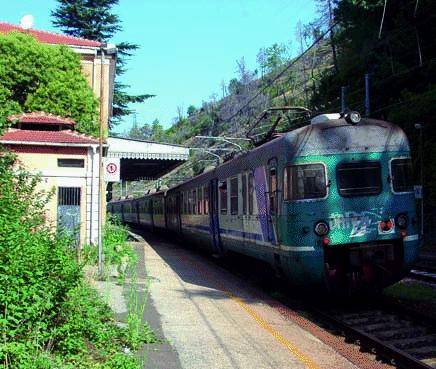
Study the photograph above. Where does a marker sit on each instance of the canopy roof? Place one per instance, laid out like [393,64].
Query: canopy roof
[145,159]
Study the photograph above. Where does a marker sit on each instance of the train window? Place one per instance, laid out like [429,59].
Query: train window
[302,182]
[273,190]
[359,179]
[194,201]
[244,193]
[234,189]
[206,200]
[189,202]
[223,196]
[401,173]
[200,201]
[250,194]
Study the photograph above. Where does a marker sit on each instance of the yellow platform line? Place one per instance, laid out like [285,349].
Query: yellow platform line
[308,362]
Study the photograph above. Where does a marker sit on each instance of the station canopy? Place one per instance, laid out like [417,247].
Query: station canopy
[145,159]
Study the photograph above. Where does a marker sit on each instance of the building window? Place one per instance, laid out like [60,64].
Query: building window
[71,163]
[181,203]
[206,200]
[302,182]
[234,189]
[244,194]
[69,196]
[250,194]
[223,196]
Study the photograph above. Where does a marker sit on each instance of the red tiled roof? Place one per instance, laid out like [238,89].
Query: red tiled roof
[50,37]
[66,136]
[41,117]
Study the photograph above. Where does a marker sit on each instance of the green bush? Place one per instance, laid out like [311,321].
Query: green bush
[116,250]
[50,317]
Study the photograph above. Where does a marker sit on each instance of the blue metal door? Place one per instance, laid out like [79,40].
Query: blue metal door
[68,214]
[213,216]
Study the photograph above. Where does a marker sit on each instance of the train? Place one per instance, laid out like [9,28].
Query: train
[330,205]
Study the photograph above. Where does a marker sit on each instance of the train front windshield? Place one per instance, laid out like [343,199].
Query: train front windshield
[359,178]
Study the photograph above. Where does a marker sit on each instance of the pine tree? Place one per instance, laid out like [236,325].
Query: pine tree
[94,20]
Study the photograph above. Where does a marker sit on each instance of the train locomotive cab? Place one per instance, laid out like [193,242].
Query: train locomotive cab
[351,186]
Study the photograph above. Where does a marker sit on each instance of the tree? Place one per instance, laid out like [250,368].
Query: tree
[140,133]
[94,20]
[157,131]
[40,77]
[191,110]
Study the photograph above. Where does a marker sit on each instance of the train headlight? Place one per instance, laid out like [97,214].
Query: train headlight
[402,221]
[321,228]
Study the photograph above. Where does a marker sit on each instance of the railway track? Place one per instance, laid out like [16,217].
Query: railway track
[426,274]
[400,338]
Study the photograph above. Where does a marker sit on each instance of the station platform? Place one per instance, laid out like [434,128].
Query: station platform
[210,318]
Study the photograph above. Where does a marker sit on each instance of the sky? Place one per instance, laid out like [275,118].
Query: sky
[187,47]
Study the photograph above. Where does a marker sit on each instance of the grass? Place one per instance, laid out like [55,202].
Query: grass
[412,291]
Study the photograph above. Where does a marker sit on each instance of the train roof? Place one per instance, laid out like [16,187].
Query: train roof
[323,138]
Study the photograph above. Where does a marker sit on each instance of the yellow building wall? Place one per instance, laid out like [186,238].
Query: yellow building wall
[91,68]
[52,177]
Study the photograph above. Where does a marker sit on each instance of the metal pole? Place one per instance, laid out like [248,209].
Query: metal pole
[422,179]
[100,169]
[367,99]
[343,89]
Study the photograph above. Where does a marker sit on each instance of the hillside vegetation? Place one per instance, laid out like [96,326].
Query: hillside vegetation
[396,51]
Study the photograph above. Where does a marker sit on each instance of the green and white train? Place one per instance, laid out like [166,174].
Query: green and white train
[330,205]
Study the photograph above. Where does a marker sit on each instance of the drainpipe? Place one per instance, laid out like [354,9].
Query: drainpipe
[94,151]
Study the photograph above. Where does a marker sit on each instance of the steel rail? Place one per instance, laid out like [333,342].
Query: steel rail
[369,341]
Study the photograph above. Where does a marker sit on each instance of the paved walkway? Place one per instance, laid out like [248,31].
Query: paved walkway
[213,319]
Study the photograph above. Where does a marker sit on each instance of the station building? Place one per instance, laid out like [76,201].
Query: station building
[67,163]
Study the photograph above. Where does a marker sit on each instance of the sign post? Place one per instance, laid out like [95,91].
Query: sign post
[112,169]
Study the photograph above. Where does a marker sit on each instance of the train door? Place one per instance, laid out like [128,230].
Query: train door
[272,198]
[150,211]
[213,216]
[137,208]
[177,210]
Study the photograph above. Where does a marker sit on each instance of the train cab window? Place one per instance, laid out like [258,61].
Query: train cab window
[250,194]
[359,179]
[194,201]
[273,190]
[401,174]
[234,190]
[303,182]
[244,194]
[206,200]
[200,200]
[223,196]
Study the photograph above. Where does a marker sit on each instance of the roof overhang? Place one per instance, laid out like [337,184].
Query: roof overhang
[145,159]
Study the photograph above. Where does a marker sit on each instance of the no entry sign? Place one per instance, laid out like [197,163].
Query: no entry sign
[112,169]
